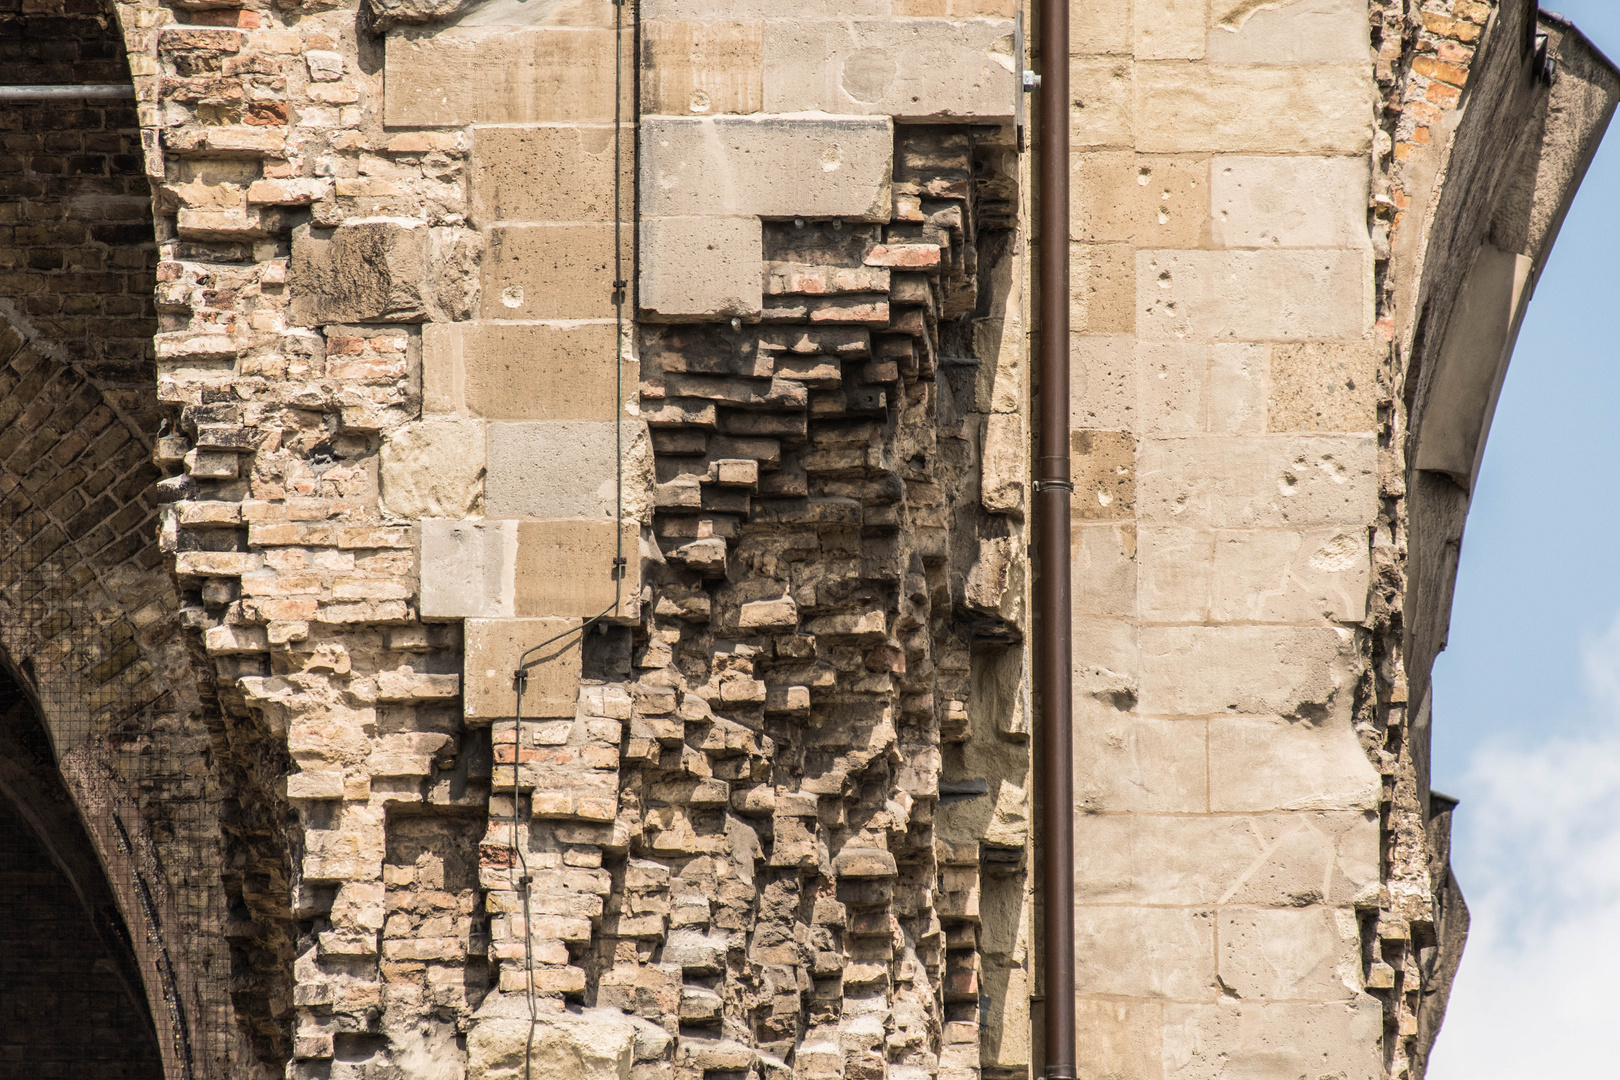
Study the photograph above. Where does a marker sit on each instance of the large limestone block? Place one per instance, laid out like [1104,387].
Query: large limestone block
[1236,394]
[1124,763]
[1274,860]
[1150,200]
[1284,575]
[523,371]
[493,650]
[564,569]
[1102,289]
[548,173]
[550,272]
[1267,763]
[500,75]
[553,469]
[1295,671]
[1175,573]
[1300,202]
[1302,481]
[1171,29]
[1100,105]
[466,568]
[1311,953]
[371,271]
[1102,382]
[701,267]
[1257,1040]
[1145,952]
[1103,566]
[590,1044]
[1254,295]
[768,166]
[1229,108]
[1302,32]
[1171,382]
[911,68]
[701,69]
[434,468]
[756,10]
[1119,1040]
[1103,467]
[1322,386]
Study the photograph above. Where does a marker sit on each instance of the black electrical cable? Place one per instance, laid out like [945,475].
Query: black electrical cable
[520,676]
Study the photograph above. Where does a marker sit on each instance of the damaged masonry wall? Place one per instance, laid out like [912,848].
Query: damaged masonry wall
[461,302]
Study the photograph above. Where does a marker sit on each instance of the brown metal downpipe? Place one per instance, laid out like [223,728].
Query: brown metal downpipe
[1053,489]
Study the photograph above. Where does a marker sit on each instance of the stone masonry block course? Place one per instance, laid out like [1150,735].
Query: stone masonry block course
[549,272]
[552,468]
[909,68]
[697,68]
[1153,201]
[466,568]
[434,469]
[1145,952]
[1304,32]
[565,568]
[547,173]
[701,267]
[1252,1040]
[1301,672]
[1258,481]
[493,649]
[521,371]
[1289,202]
[767,166]
[366,272]
[1260,764]
[1254,295]
[1227,108]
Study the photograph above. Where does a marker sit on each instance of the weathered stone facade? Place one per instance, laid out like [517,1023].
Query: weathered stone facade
[678,355]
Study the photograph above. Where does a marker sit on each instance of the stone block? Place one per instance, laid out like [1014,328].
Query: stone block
[1171,379]
[1304,32]
[549,272]
[910,68]
[589,1044]
[1300,481]
[1103,465]
[1104,569]
[756,10]
[1145,952]
[1288,576]
[1235,399]
[1310,953]
[1102,289]
[1266,763]
[466,568]
[492,651]
[1119,1040]
[434,468]
[1100,107]
[553,469]
[371,271]
[1124,763]
[691,68]
[774,167]
[564,569]
[1229,108]
[1285,860]
[1152,201]
[1298,202]
[1234,1039]
[1322,386]
[1102,382]
[547,173]
[1004,464]
[1108,662]
[705,267]
[1303,672]
[1175,569]
[522,371]
[1254,295]
[1171,29]
[500,75]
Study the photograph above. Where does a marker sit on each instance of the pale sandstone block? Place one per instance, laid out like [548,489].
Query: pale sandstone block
[492,651]
[1229,1040]
[1102,289]
[552,468]
[1258,481]
[911,68]
[549,272]
[1175,573]
[1171,29]
[1004,464]
[766,166]
[1306,672]
[1119,1040]
[1103,467]
[1258,764]
[1100,26]
[756,10]
[466,568]
[1102,382]
[1145,952]
[957,9]
[1153,201]
[371,271]
[1282,860]
[596,1044]
[565,568]
[1302,32]
[434,468]
[701,69]
[500,75]
[1268,202]
[1254,295]
[1100,105]
[1310,953]
[1309,109]
[1285,575]
[522,371]
[1170,385]
[1322,386]
[1124,763]
[1104,569]
[549,173]
[701,267]
[1236,394]
[1107,664]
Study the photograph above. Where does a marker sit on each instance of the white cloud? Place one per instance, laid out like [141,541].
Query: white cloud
[1537,852]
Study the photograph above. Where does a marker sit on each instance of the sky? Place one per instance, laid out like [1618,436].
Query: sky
[1527,693]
